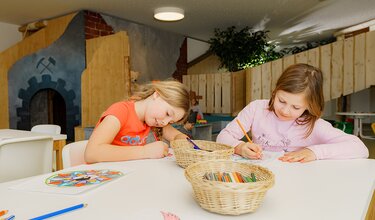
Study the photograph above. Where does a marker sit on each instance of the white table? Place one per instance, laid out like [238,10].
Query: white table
[338,189]
[59,141]
[358,116]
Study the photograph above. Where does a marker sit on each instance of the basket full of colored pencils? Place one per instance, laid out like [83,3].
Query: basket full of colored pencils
[190,151]
[227,187]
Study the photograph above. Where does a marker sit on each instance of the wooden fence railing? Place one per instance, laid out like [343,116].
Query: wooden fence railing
[348,66]
[221,92]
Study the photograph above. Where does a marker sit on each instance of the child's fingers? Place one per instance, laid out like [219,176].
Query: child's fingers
[166,150]
[293,158]
[257,149]
[249,153]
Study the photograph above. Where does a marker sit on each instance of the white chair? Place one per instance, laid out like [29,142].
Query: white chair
[25,157]
[47,129]
[73,154]
[51,129]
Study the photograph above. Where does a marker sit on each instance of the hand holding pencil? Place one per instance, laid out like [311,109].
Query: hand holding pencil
[248,149]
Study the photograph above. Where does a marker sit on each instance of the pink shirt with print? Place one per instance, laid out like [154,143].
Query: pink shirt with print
[273,134]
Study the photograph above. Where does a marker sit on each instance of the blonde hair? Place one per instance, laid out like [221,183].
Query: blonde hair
[171,91]
[303,78]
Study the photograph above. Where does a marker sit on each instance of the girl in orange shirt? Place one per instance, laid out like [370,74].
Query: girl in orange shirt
[131,129]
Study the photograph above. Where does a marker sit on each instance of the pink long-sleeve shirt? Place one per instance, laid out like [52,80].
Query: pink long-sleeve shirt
[273,134]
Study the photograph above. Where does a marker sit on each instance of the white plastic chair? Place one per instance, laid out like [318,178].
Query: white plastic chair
[25,157]
[47,129]
[73,154]
[50,129]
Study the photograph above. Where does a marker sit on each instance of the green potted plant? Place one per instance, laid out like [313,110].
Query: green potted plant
[241,49]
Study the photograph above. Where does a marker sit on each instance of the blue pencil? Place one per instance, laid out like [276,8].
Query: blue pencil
[195,146]
[59,212]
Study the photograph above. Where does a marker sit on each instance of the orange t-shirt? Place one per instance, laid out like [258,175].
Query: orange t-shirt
[133,132]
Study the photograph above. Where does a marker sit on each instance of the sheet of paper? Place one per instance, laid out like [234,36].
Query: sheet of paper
[170,155]
[39,183]
[268,156]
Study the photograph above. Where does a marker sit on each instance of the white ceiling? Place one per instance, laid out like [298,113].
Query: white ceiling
[289,21]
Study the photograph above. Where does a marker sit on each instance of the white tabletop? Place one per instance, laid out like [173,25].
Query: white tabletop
[13,133]
[338,189]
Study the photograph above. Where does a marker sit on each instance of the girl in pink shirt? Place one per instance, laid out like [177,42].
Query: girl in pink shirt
[290,122]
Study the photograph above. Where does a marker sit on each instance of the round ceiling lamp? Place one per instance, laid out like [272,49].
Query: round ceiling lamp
[169,14]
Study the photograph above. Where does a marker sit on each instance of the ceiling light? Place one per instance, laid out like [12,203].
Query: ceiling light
[169,14]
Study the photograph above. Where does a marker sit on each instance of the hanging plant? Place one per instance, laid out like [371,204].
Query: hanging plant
[241,49]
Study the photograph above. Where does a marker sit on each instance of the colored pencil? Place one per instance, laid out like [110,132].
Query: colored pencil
[244,132]
[3,212]
[253,177]
[9,218]
[59,212]
[195,146]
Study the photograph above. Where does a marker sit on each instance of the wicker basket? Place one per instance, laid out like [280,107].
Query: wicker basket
[229,198]
[185,153]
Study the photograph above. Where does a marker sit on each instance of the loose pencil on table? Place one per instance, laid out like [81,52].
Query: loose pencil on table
[59,212]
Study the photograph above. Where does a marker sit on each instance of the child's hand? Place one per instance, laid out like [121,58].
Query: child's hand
[157,149]
[249,150]
[303,156]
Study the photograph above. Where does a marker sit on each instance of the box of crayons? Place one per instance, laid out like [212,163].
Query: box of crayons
[190,151]
[228,187]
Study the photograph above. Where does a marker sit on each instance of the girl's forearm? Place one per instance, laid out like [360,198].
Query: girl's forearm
[180,136]
[108,152]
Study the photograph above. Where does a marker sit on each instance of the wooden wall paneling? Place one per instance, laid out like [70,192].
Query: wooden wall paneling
[186,81]
[248,86]
[325,66]
[194,84]
[301,57]
[126,64]
[276,70]
[202,91]
[4,111]
[337,69]
[210,93]
[313,57]
[238,91]
[217,88]
[359,62]
[85,95]
[79,133]
[226,93]
[108,76]
[31,44]
[127,77]
[287,61]
[256,83]
[348,79]
[209,65]
[56,27]
[370,59]
[266,80]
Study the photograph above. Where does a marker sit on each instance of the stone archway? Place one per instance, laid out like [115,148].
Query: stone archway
[26,95]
